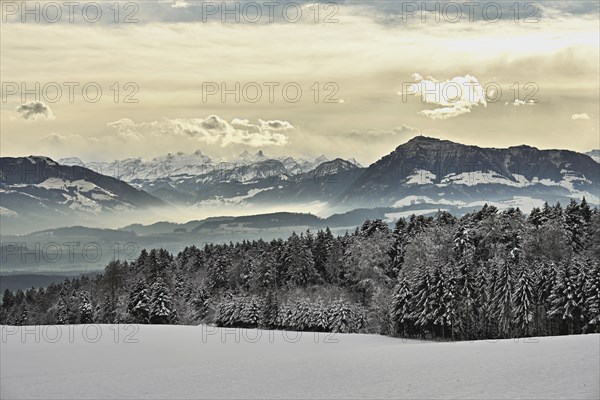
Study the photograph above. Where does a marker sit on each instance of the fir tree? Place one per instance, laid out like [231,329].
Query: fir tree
[161,304]
[86,312]
[139,303]
[423,309]
[8,299]
[575,225]
[252,313]
[299,261]
[563,298]
[269,311]
[402,306]
[592,298]
[503,300]
[524,302]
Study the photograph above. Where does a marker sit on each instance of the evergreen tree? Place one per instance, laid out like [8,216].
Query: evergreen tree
[402,307]
[161,310]
[466,285]
[107,314]
[8,299]
[86,312]
[563,299]
[252,313]
[503,300]
[423,309]
[269,311]
[451,303]
[437,299]
[592,298]
[322,254]
[139,303]
[299,261]
[63,311]
[399,245]
[217,271]
[341,317]
[524,303]
[575,225]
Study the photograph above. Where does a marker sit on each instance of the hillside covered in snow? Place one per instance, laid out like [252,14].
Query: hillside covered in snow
[180,362]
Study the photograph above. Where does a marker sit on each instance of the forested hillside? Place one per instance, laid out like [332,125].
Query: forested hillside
[488,274]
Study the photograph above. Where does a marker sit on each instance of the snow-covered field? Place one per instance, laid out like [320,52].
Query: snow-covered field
[103,361]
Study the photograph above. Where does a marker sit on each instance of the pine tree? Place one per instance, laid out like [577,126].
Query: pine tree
[299,261]
[438,298]
[63,311]
[535,217]
[546,278]
[107,313]
[399,245]
[251,313]
[524,303]
[423,309]
[341,317]
[451,302]
[217,271]
[582,276]
[575,225]
[8,299]
[592,298]
[161,304]
[285,315]
[139,303]
[563,298]
[269,311]
[466,286]
[322,254]
[322,317]
[503,302]
[402,307]
[86,312]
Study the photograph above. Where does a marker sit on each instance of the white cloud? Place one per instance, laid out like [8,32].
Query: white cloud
[210,130]
[180,4]
[125,129]
[519,103]
[583,116]
[35,110]
[456,96]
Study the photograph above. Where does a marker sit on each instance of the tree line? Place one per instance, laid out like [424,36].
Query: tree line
[488,274]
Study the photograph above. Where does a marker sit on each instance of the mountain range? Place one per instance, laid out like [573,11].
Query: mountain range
[199,179]
[422,175]
[431,170]
[39,189]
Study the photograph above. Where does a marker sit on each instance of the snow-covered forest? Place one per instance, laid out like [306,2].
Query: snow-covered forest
[488,274]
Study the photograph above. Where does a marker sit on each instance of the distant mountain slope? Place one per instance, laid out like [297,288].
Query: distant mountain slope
[263,221]
[444,172]
[322,184]
[595,154]
[38,186]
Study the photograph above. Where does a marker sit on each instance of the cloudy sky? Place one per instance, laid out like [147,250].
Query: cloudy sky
[349,79]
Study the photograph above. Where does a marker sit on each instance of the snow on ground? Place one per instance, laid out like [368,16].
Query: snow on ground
[420,177]
[5,212]
[219,200]
[410,200]
[391,217]
[206,362]
[62,184]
